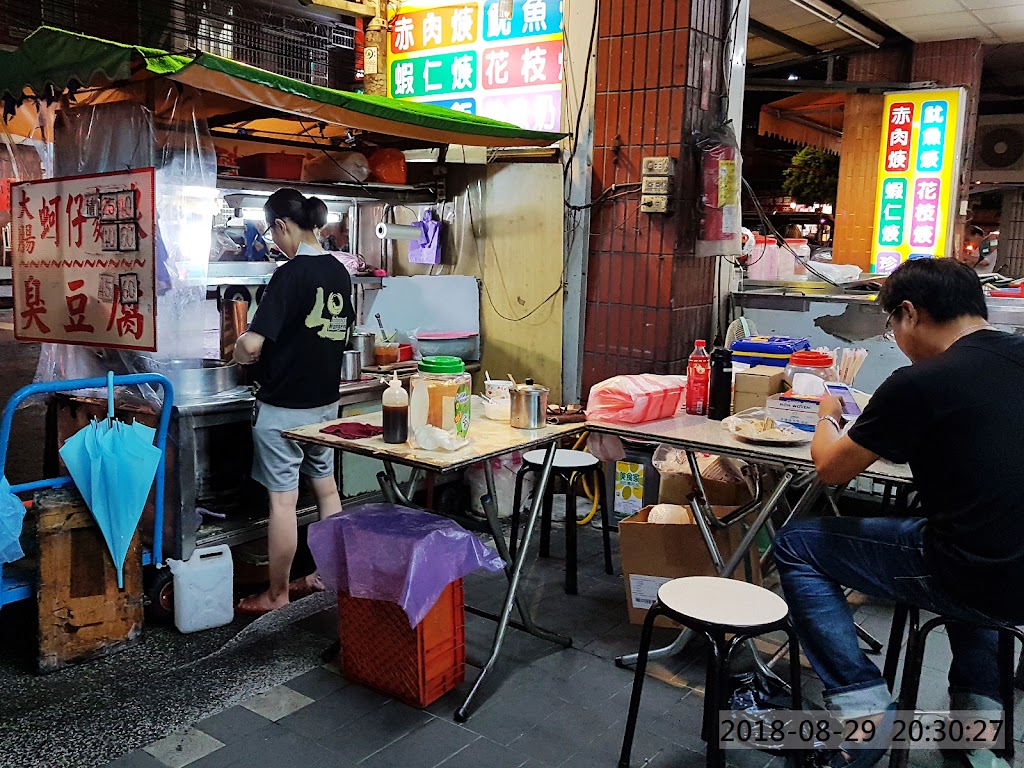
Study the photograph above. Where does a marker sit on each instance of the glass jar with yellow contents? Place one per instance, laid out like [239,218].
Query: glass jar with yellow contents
[441,395]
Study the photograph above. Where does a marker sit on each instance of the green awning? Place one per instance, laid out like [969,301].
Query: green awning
[56,58]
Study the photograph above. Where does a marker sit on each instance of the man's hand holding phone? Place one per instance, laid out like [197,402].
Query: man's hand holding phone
[840,403]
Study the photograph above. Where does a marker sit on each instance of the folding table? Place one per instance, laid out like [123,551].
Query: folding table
[697,434]
[488,440]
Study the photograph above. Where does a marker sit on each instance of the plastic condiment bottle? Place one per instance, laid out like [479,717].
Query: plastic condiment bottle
[396,412]
[698,375]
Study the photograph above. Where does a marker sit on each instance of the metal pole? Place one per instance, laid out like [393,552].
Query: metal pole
[462,713]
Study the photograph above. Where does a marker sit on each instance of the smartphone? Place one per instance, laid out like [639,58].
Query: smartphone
[850,407]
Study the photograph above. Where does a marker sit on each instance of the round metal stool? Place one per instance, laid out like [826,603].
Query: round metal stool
[571,467]
[714,607]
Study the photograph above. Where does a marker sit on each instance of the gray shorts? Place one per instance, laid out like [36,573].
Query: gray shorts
[276,460]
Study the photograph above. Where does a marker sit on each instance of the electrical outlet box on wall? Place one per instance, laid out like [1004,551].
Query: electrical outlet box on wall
[658,166]
[654,204]
[656,185]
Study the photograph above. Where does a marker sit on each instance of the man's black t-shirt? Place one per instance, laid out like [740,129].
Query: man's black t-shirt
[305,315]
[958,420]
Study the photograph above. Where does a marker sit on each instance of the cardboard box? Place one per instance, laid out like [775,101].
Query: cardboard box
[797,411]
[654,553]
[755,385]
[678,487]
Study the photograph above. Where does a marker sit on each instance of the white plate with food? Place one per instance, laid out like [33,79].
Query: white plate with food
[756,426]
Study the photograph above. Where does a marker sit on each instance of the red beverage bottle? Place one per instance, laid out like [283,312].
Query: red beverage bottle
[698,377]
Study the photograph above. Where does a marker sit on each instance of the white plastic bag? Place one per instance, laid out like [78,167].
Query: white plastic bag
[505,469]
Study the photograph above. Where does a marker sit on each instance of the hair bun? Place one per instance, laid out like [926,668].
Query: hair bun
[316,211]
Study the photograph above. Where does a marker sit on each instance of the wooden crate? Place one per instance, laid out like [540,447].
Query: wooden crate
[82,613]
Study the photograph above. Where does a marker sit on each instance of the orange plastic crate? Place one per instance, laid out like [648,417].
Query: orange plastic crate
[414,665]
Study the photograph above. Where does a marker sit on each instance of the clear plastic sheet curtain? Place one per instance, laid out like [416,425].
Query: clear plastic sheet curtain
[166,132]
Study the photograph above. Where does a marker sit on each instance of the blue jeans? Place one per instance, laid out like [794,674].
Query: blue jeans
[883,558]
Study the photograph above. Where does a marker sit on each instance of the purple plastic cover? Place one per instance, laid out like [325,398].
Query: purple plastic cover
[393,553]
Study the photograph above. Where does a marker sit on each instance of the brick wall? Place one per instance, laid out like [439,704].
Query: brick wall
[659,80]
[955,63]
[858,175]
[858,166]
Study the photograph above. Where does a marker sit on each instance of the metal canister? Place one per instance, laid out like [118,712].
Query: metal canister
[351,365]
[363,342]
[529,406]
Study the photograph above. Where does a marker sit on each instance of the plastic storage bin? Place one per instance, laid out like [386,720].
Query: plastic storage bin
[416,665]
[203,589]
[767,350]
[271,165]
[803,254]
[764,261]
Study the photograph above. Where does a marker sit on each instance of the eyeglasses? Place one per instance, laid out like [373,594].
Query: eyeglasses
[890,332]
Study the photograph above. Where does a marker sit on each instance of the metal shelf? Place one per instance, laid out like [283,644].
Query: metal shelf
[387,193]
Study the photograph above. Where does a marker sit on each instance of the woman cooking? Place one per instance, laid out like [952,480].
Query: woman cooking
[297,338]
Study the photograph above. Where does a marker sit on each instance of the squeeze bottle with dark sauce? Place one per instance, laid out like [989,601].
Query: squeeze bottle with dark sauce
[396,412]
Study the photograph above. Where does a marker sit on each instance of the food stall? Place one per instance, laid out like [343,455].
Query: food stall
[91,107]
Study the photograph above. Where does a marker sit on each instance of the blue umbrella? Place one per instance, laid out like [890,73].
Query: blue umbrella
[113,465]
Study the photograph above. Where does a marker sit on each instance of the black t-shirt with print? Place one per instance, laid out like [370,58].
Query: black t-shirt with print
[305,315]
[958,420]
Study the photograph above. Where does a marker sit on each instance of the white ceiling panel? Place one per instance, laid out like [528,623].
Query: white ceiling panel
[909,8]
[1001,15]
[922,20]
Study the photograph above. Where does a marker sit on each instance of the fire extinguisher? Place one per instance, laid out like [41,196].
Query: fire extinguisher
[719,191]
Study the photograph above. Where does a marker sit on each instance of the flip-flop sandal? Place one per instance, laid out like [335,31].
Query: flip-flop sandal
[241,609]
[301,588]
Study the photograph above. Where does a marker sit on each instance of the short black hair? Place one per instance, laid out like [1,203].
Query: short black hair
[944,288]
[973,230]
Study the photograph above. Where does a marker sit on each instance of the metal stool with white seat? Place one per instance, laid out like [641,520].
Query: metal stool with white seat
[715,607]
[572,467]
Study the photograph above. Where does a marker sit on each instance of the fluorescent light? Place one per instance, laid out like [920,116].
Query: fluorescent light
[794,77]
[253,214]
[853,28]
[333,218]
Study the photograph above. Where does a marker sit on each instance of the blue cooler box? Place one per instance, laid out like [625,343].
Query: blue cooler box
[767,350]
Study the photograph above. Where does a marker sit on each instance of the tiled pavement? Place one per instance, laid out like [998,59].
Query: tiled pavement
[550,708]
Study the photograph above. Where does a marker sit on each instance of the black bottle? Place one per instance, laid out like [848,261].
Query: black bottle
[720,386]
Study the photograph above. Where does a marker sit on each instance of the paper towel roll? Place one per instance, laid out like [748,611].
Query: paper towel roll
[397,232]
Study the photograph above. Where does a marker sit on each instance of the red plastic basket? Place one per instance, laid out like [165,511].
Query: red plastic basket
[271,165]
[414,665]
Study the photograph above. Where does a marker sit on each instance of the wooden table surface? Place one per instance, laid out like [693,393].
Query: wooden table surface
[488,439]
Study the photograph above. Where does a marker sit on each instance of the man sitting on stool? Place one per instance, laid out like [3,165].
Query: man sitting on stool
[962,398]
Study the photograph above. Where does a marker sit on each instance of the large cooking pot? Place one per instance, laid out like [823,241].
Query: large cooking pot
[196,378]
[529,406]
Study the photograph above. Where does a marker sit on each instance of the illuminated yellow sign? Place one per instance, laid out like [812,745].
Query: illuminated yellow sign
[918,176]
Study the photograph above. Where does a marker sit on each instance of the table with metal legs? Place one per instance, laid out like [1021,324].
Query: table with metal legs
[782,468]
[489,440]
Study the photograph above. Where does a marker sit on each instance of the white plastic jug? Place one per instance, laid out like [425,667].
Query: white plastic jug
[203,589]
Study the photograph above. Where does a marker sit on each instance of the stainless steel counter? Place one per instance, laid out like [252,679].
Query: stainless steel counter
[797,296]
[830,318]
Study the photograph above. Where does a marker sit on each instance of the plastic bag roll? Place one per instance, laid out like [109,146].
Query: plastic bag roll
[387,231]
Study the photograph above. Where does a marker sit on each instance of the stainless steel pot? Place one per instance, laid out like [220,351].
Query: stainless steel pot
[196,378]
[364,343]
[529,406]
